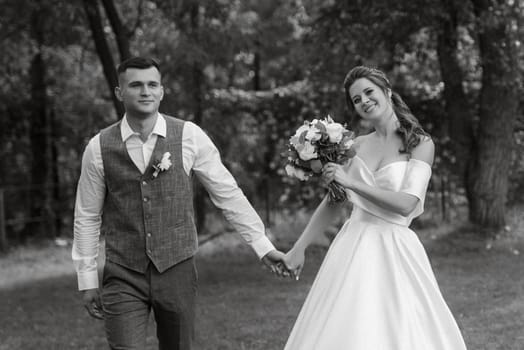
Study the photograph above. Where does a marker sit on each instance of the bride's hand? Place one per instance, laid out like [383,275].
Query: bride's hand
[294,261]
[335,172]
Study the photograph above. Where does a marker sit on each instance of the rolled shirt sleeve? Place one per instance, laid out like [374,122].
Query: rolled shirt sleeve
[201,156]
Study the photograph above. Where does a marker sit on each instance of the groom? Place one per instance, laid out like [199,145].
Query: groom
[135,186]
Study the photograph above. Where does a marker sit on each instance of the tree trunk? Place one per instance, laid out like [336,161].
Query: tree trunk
[38,128]
[498,108]
[49,184]
[103,50]
[56,191]
[256,67]
[121,32]
[4,245]
[458,124]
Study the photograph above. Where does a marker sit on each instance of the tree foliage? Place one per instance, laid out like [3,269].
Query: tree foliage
[249,72]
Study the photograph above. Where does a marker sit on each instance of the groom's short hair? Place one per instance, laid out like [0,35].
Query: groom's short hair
[137,62]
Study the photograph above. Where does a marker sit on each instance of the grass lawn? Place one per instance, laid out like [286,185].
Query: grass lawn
[242,306]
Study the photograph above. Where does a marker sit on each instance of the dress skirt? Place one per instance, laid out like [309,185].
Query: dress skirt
[375,290]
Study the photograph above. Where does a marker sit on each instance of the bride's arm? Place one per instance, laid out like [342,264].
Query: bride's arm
[398,202]
[323,216]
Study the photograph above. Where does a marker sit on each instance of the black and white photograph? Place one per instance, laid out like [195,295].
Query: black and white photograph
[262,175]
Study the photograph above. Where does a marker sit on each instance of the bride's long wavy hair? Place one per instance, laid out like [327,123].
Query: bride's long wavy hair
[409,130]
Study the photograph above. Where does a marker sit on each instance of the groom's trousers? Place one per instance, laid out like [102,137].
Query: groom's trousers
[129,296]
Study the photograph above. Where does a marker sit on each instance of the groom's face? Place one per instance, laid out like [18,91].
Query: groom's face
[140,91]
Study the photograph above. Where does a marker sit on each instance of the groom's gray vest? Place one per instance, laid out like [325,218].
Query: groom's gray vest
[147,218]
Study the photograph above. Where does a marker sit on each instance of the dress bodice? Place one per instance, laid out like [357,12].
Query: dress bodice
[410,177]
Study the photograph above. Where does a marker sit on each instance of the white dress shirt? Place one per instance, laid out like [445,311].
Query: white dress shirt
[199,155]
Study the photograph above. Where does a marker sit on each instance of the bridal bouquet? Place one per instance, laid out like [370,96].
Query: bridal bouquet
[316,143]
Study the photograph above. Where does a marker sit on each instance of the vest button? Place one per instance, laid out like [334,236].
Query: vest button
[144,183]
[149,234]
[146,199]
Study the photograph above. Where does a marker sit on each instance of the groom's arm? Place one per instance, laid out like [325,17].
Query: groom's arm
[201,156]
[87,218]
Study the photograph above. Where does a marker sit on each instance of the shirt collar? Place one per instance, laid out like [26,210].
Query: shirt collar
[159,128]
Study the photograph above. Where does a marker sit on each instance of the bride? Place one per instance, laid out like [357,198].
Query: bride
[375,289]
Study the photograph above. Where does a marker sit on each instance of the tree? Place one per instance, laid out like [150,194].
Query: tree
[122,34]
[104,52]
[498,109]
[459,118]
[40,127]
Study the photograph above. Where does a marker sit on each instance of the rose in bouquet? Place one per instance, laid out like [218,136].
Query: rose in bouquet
[316,143]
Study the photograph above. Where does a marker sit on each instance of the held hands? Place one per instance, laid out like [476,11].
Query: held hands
[285,265]
[92,303]
[274,260]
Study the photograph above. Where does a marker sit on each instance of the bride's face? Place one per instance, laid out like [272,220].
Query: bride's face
[369,100]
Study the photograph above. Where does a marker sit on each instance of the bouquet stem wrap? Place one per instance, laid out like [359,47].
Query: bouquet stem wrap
[337,192]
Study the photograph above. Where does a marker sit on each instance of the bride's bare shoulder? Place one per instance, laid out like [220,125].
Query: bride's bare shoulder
[425,150]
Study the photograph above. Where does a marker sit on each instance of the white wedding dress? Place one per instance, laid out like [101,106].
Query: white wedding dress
[375,289]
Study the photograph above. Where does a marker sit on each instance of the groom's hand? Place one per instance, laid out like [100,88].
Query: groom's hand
[275,261]
[92,303]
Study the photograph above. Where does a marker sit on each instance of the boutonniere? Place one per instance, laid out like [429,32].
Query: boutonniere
[163,165]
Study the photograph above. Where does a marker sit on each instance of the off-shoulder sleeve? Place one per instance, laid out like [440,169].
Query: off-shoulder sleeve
[416,180]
